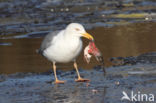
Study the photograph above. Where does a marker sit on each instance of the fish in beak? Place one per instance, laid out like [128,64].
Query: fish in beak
[90,50]
[87,56]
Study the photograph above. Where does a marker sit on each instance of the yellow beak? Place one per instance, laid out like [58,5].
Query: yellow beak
[88,36]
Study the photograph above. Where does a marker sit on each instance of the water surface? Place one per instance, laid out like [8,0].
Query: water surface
[18,53]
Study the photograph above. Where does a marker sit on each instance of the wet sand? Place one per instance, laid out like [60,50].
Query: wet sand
[39,88]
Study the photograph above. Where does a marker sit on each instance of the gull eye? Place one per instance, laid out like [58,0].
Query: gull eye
[77,29]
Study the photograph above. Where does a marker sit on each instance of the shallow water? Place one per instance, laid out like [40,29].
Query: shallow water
[24,24]
[18,52]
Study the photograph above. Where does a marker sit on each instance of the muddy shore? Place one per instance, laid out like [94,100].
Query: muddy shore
[39,87]
[124,31]
[38,15]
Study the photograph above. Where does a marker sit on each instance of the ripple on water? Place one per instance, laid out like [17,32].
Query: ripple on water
[5,44]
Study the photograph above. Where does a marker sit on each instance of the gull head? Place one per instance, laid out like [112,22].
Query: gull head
[76,29]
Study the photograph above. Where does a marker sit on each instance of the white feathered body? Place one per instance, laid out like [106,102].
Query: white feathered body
[63,48]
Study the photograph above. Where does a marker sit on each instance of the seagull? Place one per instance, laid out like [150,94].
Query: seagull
[64,46]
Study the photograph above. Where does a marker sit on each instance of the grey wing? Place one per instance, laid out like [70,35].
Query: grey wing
[47,41]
